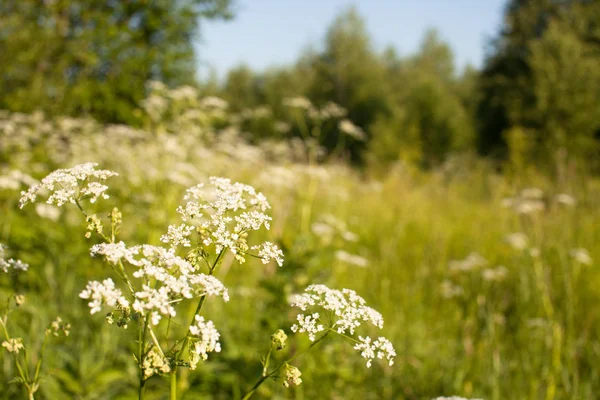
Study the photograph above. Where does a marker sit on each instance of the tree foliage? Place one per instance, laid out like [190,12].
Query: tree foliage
[542,76]
[96,56]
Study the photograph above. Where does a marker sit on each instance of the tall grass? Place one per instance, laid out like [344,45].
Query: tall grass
[532,332]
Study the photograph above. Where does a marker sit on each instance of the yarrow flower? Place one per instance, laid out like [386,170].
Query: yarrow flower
[268,251]
[178,235]
[13,345]
[380,348]
[58,327]
[7,264]
[473,261]
[70,185]
[308,324]
[345,311]
[453,398]
[352,259]
[529,201]
[155,363]
[348,309]
[115,252]
[103,293]
[206,340]
[292,376]
[582,256]
[518,240]
[224,212]
[165,280]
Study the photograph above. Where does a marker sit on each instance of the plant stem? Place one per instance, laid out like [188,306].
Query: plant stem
[265,376]
[173,385]
[141,349]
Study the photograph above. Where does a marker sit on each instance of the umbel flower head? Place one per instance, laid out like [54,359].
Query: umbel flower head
[292,376]
[7,264]
[224,213]
[13,345]
[164,280]
[205,340]
[344,311]
[69,185]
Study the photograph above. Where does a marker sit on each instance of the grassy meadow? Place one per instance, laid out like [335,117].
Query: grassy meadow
[488,283]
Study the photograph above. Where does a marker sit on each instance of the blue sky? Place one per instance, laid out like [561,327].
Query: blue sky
[268,33]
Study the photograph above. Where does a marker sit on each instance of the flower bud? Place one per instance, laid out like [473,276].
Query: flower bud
[279,339]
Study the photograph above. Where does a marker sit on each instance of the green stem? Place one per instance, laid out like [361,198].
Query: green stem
[141,348]
[264,377]
[22,373]
[267,359]
[39,363]
[173,385]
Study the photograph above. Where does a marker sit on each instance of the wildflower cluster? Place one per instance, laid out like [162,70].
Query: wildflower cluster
[10,263]
[13,345]
[380,348]
[70,185]
[344,311]
[223,213]
[528,201]
[166,279]
[292,376]
[155,363]
[205,339]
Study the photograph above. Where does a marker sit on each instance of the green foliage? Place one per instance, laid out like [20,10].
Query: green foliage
[543,76]
[95,57]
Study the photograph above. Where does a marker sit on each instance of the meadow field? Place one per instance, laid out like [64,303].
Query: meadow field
[487,282]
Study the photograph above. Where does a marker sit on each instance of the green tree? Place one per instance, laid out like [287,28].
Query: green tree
[540,76]
[93,56]
[348,72]
[430,117]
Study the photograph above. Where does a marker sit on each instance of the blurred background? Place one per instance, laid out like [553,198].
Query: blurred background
[402,145]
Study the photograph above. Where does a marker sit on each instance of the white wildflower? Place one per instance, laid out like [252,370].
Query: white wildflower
[155,301]
[58,327]
[155,363]
[268,251]
[214,103]
[297,102]
[178,235]
[450,290]
[534,252]
[379,348]
[582,256]
[494,274]
[350,236]
[517,241]
[7,264]
[565,199]
[115,252]
[47,211]
[206,339]
[473,261]
[347,308]
[351,259]
[346,126]
[532,193]
[323,230]
[103,293]
[453,398]
[210,286]
[224,212]
[69,185]
[308,324]
[292,376]
[13,345]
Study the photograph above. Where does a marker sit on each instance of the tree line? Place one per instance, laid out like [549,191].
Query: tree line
[534,101]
